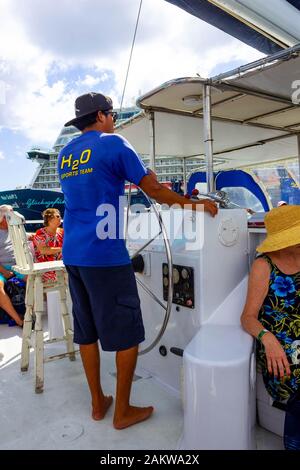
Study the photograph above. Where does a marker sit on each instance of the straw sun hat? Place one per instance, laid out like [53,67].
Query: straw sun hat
[283,229]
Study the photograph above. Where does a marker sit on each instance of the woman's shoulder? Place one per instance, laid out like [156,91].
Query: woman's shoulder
[261,265]
[259,276]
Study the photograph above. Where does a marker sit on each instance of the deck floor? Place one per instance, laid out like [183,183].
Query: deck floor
[60,418]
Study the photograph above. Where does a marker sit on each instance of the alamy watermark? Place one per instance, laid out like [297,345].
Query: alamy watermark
[183,227]
[296,92]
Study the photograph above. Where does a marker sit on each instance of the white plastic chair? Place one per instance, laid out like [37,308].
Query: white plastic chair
[35,290]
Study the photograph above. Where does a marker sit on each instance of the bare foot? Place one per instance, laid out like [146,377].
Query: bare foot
[134,415]
[99,411]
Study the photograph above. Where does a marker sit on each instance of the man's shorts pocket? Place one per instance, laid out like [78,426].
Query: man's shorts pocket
[127,311]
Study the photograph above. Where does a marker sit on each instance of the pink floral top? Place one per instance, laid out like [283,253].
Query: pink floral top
[44,238]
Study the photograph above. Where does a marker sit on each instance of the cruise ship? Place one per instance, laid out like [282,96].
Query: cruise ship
[167,167]
[46,176]
[44,189]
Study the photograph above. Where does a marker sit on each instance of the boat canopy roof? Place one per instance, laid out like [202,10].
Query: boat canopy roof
[265,25]
[255,114]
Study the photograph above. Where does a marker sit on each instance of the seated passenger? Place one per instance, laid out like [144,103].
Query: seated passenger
[48,241]
[272,313]
[281,203]
[7,260]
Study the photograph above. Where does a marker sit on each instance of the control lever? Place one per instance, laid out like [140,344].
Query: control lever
[218,196]
[177,351]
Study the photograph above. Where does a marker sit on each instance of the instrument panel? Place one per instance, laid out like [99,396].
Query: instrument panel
[183,281]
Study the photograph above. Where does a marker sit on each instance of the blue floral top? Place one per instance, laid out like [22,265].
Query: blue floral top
[280,314]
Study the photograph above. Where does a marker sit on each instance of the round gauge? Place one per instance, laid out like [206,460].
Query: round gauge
[176,276]
[166,281]
[185,273]
[186,286]
[165,270]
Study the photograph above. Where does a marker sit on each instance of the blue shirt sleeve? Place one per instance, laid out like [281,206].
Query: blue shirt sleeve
[126,162]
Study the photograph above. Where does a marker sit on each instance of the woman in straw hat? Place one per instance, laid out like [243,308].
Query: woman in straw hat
[272,313]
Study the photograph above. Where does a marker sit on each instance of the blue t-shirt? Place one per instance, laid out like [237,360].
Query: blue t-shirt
[93,169]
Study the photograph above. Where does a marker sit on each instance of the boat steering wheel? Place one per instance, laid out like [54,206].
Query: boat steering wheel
[162,230]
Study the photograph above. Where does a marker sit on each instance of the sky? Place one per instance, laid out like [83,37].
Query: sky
[54,50]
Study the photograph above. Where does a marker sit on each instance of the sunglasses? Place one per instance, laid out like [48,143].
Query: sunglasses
[58,216]
[114,114]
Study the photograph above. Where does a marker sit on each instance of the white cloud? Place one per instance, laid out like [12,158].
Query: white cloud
[2,157]
[48,107]
[84,29]
[90,81]
[38,37]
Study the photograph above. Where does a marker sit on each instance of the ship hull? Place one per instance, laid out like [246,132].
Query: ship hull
[32,202]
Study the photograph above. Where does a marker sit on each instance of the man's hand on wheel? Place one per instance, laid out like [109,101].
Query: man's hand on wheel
[209,206]
[163,195]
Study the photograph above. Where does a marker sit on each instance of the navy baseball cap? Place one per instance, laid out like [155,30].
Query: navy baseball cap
[90,103]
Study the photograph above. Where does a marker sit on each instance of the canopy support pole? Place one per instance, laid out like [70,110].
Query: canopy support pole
[152,140]
[208,139]
[184,176]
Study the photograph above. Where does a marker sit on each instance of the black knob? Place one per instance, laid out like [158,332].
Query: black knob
[138,264]
[163,351]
